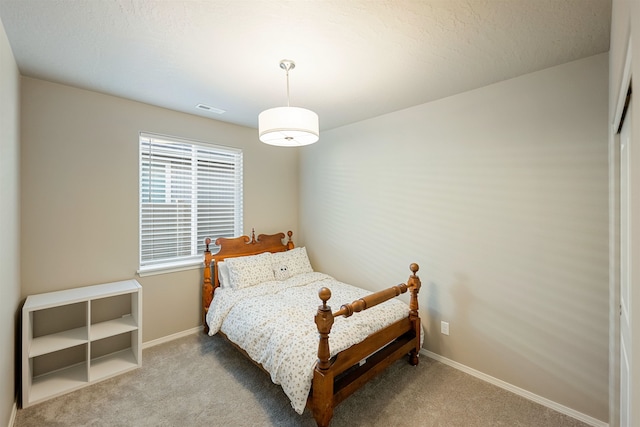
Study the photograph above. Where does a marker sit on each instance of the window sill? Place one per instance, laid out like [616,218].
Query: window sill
[152,270]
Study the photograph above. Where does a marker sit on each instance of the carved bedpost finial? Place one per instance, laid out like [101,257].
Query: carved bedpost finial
[325,295]
[207,242]
[324,321]
[253,235]
[414,268]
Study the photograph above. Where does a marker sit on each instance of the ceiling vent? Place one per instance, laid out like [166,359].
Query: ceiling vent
[210,109]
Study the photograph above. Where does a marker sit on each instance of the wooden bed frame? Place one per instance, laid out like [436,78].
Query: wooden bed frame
[334,379]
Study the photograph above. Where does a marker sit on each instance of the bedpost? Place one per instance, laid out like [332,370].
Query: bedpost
[324,321]
[289,242]
[414,285]
[207,286]
[322,391]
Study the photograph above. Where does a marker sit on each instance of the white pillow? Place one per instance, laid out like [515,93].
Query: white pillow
[249,270]
[223,274]
[290,263]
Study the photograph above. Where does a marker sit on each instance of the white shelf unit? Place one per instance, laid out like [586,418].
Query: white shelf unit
[76,337]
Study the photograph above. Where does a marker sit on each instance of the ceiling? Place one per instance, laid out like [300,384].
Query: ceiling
[355,59]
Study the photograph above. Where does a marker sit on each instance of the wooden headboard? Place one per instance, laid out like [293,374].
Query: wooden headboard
[235,247]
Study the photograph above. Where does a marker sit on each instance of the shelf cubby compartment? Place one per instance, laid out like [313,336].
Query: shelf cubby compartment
[114,354]
[113,327]
[111,364]
[58,372]
[51,329]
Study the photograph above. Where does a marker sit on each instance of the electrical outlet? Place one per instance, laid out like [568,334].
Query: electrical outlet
[444,328]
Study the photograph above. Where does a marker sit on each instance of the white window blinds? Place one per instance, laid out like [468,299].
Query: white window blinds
[188,191]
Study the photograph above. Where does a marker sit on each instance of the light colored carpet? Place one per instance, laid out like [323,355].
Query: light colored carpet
[203,381]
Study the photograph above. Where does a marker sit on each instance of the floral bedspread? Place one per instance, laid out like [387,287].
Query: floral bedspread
[274,323]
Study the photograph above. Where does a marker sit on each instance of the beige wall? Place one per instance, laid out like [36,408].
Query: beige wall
[79,171]
[9,224]
[500,194]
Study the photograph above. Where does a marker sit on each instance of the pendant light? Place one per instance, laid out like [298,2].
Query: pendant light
[288,126]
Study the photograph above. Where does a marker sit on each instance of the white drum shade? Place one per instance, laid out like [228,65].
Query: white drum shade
[288,126]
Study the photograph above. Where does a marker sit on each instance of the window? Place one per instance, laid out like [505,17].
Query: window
[188,191]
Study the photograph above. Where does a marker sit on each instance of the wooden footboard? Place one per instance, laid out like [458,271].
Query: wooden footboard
[336,378]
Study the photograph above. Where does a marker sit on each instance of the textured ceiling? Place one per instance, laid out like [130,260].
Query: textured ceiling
[355,59]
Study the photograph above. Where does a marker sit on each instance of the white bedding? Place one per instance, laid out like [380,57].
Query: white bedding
[274,323]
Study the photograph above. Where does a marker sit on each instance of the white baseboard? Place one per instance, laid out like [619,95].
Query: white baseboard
[517,390]
[172,337]
[14,412]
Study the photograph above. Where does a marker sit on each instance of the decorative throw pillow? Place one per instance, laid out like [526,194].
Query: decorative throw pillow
[223,274]
[249,270]
[281,272]
[290,263]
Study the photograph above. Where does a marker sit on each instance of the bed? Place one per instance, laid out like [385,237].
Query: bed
[261,294]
